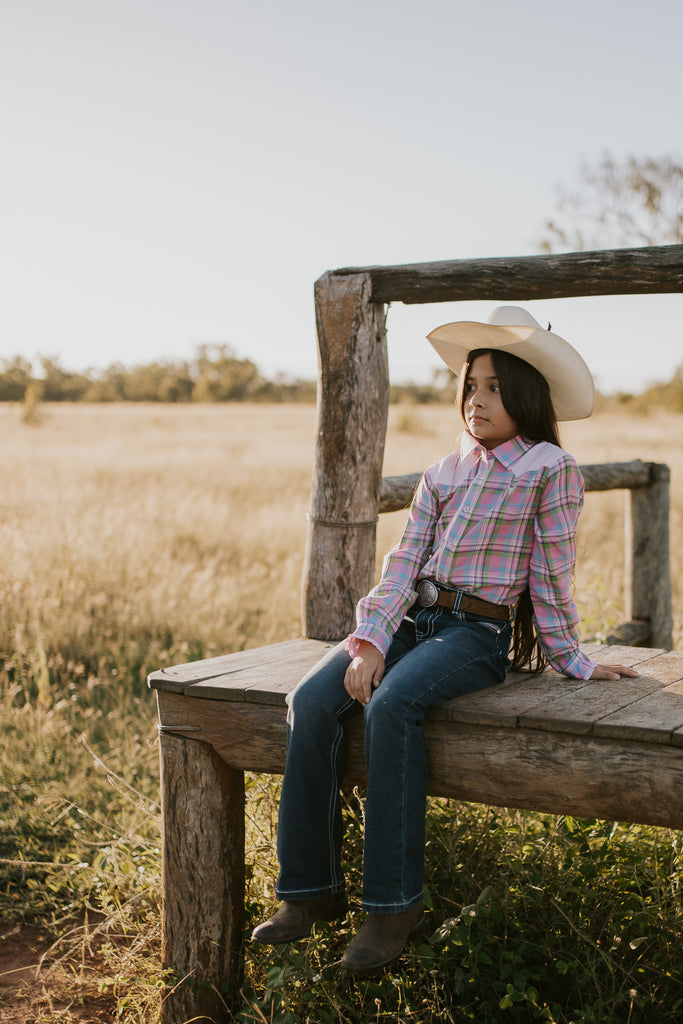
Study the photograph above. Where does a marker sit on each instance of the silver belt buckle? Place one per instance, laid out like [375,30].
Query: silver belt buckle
[427,593]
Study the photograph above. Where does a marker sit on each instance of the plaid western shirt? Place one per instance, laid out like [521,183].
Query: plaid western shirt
[489,523]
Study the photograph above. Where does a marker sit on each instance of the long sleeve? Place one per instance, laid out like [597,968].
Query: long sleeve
[551,571]
[380,613]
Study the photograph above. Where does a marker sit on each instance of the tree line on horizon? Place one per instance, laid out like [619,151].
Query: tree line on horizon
[635,201]
[217,374]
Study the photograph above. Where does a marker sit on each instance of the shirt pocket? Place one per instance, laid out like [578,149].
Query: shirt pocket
[504,502]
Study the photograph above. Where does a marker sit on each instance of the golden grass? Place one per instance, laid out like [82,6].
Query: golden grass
[139,535]
[190,522]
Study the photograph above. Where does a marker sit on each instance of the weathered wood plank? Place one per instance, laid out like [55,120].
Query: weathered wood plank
[504,705]
[647,570]
[251,735]
[558,773]
[522,695]
[397,492]
[578,709]
[351,418]
[592,776]
[650,269]
[202,803]
[245,736]
[176,678]
[655,718]
[262,684]
[634,633]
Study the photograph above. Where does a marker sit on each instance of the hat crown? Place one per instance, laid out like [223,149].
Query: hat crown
[512,316]
[514,330]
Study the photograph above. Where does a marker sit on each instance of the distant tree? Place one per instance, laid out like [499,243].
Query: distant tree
[223,377]
[636,201]
[60,385]
[175,386]
[15,376]
[146,382]
[109,387]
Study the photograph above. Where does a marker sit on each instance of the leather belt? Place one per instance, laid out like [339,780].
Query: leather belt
[430,594]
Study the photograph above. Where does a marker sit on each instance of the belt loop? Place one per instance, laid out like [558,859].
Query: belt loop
[456,602]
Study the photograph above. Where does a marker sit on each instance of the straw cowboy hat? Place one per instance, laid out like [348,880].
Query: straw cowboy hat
[511,329]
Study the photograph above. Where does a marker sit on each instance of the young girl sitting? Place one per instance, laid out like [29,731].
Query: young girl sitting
[480,580]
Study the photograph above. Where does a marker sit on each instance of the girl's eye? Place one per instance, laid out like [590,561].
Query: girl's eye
[495,388]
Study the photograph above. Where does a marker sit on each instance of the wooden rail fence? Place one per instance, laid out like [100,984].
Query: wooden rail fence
[353,402]
[542,742]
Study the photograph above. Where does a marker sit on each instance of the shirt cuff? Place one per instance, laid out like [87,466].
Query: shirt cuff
[353,642]
[579,667]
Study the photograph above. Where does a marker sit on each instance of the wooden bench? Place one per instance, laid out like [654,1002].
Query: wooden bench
[606,750]
[547,743]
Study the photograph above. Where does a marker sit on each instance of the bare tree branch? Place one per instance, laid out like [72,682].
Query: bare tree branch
[638,201]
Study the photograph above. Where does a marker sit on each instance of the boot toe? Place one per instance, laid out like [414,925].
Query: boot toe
[295,918]
[382,939]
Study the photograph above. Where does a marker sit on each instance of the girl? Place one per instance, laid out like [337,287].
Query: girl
[491,529]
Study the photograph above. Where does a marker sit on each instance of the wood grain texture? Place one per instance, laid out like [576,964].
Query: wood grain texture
[650,269]
[647,567]
[558,773]
[202,879]
[351,418]
[244,735]
[643,714]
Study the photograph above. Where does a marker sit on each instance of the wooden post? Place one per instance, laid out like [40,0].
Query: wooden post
[648,574]
[202,803]
[353,403]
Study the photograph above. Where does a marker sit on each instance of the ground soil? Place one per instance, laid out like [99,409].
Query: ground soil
[39,988]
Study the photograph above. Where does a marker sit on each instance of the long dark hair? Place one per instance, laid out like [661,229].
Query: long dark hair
[526,398]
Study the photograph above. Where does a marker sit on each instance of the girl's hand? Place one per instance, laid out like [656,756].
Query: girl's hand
[612,672]
[364,673]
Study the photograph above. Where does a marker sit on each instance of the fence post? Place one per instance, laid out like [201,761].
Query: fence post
[351,422]
[202,865]
[648,573]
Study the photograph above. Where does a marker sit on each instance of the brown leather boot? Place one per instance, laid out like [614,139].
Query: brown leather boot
[294,918]
[382,939]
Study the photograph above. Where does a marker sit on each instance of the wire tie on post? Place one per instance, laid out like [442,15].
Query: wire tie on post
[178,728]
[338,524]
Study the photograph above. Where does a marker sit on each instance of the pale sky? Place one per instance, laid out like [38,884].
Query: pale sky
[181,171]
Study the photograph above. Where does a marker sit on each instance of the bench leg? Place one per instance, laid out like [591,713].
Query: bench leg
[202,802]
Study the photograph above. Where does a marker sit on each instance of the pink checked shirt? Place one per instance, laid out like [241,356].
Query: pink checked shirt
[489,523]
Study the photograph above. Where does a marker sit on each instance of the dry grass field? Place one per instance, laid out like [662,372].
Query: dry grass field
[191,520]
[135,536]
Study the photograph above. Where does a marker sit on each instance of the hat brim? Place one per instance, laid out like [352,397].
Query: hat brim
[572,389]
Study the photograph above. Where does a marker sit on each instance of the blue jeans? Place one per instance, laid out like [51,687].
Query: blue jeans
[435,655]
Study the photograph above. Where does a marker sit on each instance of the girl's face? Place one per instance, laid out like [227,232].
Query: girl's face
[485,415]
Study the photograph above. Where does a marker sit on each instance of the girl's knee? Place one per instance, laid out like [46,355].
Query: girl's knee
[387,706]
[316,699]
[304,705]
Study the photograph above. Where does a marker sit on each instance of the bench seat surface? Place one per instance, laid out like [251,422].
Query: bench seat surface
[603,749]
[649,707]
